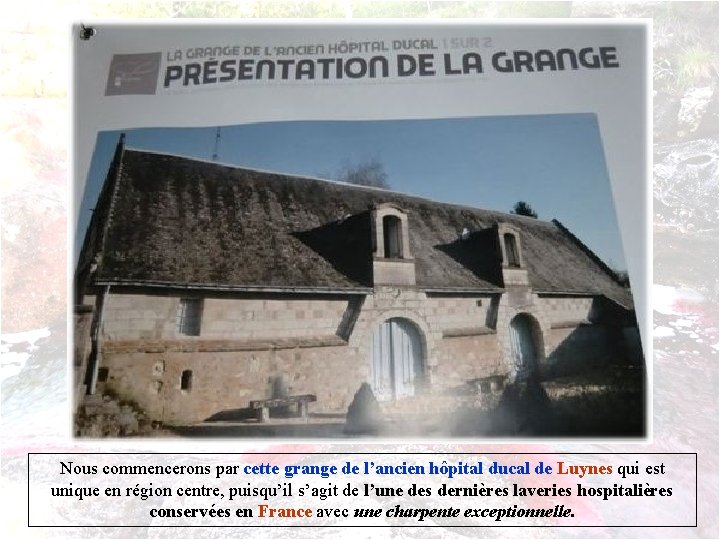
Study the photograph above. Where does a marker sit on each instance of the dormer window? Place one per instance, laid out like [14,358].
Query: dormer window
[511,250]
[510,246]
[392,237]
[390,232]
[392,261]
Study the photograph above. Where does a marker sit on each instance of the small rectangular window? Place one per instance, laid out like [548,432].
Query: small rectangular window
[188,318]
[103,373]
[186,380]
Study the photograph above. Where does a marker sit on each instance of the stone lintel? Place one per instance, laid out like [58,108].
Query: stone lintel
[570,324]
[468,332]
[219,345]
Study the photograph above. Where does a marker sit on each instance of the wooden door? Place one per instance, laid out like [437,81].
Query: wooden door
[397,359]
[523,346]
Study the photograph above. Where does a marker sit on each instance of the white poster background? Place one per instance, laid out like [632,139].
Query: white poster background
[618,96]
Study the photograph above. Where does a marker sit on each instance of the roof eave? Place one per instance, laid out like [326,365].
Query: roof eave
[569,293]
[462,290]
[628,307]
[231,288]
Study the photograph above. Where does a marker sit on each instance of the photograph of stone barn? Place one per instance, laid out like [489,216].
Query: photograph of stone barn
[205,290]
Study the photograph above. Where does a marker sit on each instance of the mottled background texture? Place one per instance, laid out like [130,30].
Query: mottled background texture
[35,143]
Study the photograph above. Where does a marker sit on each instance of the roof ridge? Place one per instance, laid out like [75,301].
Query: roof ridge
[338,183]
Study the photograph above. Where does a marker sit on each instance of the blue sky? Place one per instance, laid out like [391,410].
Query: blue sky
[554,162]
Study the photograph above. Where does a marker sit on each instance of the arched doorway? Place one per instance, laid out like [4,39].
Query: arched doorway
[397,359]
[525,345]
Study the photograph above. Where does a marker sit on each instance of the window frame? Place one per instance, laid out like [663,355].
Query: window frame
[392,237]
[188,317]
[186,380]
[512,251]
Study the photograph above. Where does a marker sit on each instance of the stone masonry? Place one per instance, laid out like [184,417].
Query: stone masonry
[246,343]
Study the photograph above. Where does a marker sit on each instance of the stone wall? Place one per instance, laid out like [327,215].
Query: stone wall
[566,310]
[448,313]
[227,381]
[572,350]
[575,342]
[83,316]
[466,358]
[318,345]
[142,316]
[246,343]
[567,338]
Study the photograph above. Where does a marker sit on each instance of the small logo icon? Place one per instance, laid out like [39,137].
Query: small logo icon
[133,74]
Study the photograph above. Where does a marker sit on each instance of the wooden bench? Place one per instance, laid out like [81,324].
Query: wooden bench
[263,406]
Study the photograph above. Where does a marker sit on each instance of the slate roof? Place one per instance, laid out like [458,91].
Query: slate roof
[177,220]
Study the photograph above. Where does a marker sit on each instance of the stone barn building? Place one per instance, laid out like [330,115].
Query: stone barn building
[202,287]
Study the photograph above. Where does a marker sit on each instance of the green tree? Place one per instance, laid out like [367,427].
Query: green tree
[522,208]
[371,173]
